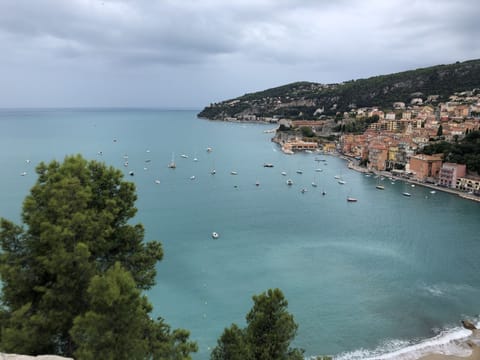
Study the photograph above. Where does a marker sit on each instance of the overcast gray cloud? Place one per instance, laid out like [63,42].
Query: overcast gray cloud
[192,52]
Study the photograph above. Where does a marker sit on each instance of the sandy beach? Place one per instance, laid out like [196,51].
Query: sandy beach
[472,341]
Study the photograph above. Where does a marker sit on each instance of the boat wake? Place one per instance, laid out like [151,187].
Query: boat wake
[451,341]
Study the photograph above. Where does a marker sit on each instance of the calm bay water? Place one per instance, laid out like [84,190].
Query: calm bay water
[379,274]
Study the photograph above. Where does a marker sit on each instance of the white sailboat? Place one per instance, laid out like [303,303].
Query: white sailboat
[172,164]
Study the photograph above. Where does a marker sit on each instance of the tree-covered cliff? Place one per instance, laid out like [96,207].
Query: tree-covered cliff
[307,100]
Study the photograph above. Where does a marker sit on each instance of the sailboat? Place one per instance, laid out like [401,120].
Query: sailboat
[213,171]
[172,163]
[379,186]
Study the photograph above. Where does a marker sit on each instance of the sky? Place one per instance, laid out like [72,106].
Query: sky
[190,53]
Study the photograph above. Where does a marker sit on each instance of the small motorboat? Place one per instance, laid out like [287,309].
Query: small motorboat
[289,182]
[406,194]
[351,199]
[215,235]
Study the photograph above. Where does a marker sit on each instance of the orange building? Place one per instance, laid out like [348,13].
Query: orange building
[377,157]
[425,167]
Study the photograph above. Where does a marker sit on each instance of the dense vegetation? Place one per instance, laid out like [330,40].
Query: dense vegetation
[357,126]
[301,100]
[73,274]
[270,329]
[466,151]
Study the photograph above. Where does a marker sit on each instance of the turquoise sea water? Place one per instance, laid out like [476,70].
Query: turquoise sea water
[361,278]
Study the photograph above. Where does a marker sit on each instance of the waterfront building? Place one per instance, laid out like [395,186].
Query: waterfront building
[450,173]
[329,147]
[470,185]
[298,145]
[377,156]
[426,167]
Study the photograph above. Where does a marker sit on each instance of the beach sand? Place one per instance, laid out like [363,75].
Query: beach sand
[475,355]
[473,341]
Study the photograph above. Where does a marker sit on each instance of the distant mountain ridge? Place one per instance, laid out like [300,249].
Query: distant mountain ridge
[308,100]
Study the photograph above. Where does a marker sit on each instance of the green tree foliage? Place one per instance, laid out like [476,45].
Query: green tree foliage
[269,332]
[466,151]
[307,131]
[76,227]
[232,345]
[440,130]
[357,126]
[113,326]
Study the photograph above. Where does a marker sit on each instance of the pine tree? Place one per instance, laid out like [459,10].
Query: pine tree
[269,332]
[75,229]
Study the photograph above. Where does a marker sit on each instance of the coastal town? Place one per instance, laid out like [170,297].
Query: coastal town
[393,142]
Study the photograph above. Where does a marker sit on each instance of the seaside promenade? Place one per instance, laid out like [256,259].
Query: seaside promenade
[462,194]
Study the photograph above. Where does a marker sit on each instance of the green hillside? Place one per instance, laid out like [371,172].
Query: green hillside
[307,100]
